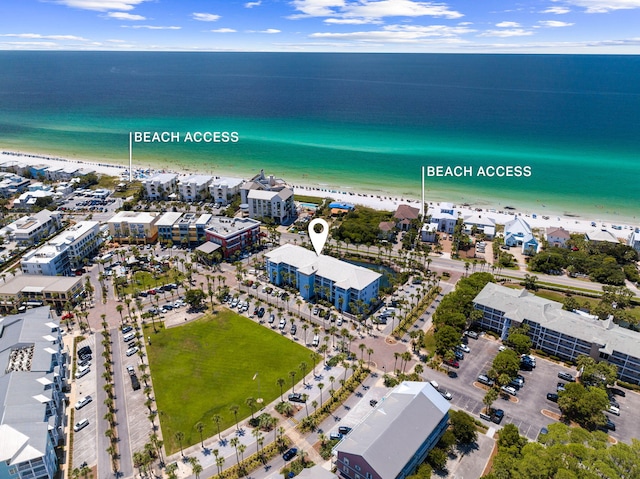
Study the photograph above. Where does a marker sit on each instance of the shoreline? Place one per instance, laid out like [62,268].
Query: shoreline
[377,199]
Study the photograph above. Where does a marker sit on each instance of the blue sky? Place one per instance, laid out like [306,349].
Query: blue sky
[465,26]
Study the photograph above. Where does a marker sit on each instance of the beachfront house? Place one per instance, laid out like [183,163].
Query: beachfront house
[445,216]
[161,186]
[560,333]
[223,190]
[478,223]
[194,187]
[405,215]
[429,233]
[557,237]
[634,239]
[395,437]
[600,236]
[343,284]
[517,232]
[33,381]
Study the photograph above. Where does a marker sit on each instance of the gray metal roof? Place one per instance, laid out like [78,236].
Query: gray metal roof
[389,437]
[519,305]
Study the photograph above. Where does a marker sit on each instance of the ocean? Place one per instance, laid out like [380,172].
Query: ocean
[360,122]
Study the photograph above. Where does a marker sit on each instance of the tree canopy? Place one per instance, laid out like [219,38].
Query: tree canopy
[584,405]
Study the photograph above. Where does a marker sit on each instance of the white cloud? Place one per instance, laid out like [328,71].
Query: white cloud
[253,4]
[401,34]
[223,30]
[37,36]
[270,31]
[371,9]
[604,6]
[101,5]
[30,44]
[351,21]
[557,10]
[125,16]
[152,27]
[508,25]
[205,17]
[512,32]
[554,23]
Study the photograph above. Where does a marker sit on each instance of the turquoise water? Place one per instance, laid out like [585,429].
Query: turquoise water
[348,122]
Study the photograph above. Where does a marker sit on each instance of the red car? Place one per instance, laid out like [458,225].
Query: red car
[453,363]
[152,291]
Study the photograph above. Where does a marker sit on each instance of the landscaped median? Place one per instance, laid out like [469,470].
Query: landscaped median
[210,367]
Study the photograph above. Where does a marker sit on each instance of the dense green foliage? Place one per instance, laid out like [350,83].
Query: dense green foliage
[607,263]
[565,453]
[463,427]
[360,226]
[519,340]
[595,373]
[584,405]
[202,368]
[505,365]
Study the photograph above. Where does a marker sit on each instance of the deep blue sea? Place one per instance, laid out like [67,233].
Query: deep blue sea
[360,121]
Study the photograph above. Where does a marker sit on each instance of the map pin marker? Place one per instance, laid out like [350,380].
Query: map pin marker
[318,239]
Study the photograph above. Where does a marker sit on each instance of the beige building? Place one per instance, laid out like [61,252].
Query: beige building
[134,227]
[26,290]
[161,186]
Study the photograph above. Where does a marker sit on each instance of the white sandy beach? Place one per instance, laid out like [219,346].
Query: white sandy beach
[380,202]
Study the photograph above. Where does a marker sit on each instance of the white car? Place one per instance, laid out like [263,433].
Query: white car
[81,425]
[83,402]
[509,390]
[502,348]
[132,351]
[82,371]
[434,384]
[464,348]
[614,410]
[283,323]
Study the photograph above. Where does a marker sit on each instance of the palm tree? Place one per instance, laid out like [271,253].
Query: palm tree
[217,418]
[281,382]
[234,409]
[234,442]
[179,436]
[320,386]
[196,467]
[200,427]
[242,448]
[251,402]
[293,377]
[303,370]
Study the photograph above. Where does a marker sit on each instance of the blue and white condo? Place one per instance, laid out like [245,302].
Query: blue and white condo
[341,283]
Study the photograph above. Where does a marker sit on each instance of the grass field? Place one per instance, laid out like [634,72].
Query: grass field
[202,368]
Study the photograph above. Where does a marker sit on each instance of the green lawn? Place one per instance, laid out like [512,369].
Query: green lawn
[202,368]
[144,280]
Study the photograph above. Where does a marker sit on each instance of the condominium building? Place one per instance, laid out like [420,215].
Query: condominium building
[233,234]
[222,190]
[188,229]
[396,436]
[161,186]
[343,284]
[27,290]
[134,226]
[564,334]
[31,229]
[65,252]
[268,197]
[194,187]
[32,398]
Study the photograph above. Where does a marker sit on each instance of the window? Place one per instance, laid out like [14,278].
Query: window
[346,461]
[357,467]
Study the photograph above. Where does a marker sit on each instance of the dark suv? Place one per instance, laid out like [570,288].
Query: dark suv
[296,397]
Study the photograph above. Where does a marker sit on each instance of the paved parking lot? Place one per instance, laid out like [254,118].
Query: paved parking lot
[84,441]
[526,411]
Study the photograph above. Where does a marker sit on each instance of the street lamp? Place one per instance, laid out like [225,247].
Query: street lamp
[259,399]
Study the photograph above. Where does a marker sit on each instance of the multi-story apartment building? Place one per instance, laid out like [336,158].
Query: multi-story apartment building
[137,227]
[48,260]
[31,229]
[268,197]
[161,186]
[32,398]
[343,284]
[396,436]
[194,187]
[561,333]
[222,190]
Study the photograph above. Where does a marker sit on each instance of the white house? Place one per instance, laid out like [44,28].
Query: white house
[517,232]
[634,239]
[557,237]
[483,224]
[445,216]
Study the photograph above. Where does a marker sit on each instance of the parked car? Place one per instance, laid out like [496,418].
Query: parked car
[81,425]
[82,371]
[552,397]
[272,318]
[614,410]
[482,379]
[126,329]
[509,390]
[497,415]
[290,454]
[294,328]
[344,429]
[566,376]
[335,436]
[84,351]
[261,312]
[296,397]
[83,402]
[471,334]
[131,351]
[459,355]
[560,387]
[282,324]
[464,348]
[617,392]
[445,394]
[452,363]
